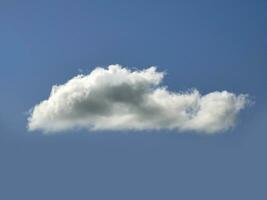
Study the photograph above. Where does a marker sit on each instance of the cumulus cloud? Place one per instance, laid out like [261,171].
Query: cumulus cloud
[117,98]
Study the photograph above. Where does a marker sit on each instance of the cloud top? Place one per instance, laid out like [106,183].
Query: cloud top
[117,98]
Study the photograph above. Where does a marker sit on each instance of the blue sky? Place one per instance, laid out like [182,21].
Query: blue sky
[208,45]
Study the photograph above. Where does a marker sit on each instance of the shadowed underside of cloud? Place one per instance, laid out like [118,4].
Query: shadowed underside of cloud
[117,98]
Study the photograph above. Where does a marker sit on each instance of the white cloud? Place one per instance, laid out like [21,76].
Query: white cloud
[117,98]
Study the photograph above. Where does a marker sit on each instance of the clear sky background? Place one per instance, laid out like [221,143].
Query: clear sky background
[208,45]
